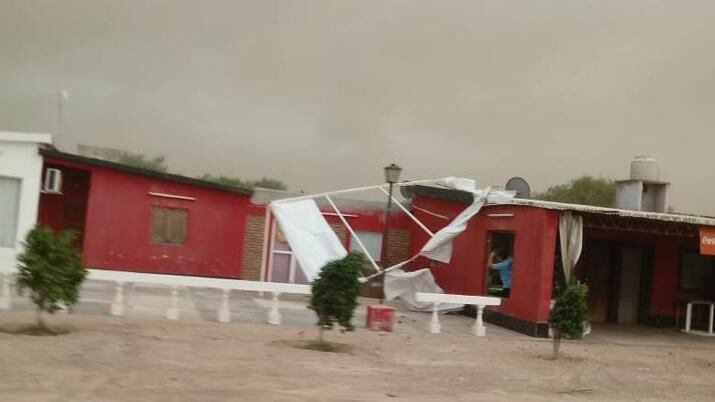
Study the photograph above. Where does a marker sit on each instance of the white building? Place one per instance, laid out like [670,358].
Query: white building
[20,173]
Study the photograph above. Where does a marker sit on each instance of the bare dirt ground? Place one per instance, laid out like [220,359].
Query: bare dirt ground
[110,359]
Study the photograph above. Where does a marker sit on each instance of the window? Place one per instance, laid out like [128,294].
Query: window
[284,266]
[499,264]
[372,242]
[168,225]
[9,209]
[696,271]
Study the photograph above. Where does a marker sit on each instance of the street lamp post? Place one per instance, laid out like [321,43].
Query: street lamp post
[392,176]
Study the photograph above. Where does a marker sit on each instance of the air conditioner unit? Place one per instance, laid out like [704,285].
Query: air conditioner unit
[53,181]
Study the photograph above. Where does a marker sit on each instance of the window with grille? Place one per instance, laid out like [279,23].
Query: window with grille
[168,225]
[372,242]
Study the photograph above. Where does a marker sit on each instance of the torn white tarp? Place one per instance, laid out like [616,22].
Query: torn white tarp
[439,247]
[312,240]
[405,285]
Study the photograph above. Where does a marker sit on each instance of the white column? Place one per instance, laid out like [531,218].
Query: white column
[274,316]
[688,316]
[5,297]
[712,312]
[117,307]
[172,313]
[479,329]
[224,313]
[434,326]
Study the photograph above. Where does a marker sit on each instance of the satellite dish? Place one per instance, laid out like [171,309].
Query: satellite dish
[522,188]
[408,192]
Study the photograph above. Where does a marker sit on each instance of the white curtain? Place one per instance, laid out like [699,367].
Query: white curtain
[312,240]
[571,240]
[9,208]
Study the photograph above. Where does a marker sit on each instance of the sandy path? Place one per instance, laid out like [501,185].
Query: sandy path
[109,359]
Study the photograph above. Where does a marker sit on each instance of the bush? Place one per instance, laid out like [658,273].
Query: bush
[568,314]
[50,268]
[335,292]
[570,311]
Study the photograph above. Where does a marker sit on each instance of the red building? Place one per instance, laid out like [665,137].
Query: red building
[141,220]
[277,263]
[639,265]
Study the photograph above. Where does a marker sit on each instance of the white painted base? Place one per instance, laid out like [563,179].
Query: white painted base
[480,331]
[435,328]
[5,296]
[274,316]
[116,310]
[434,325]
[224,313]
[699,333]
[172,314]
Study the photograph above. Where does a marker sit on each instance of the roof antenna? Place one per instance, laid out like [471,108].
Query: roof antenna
[63,98]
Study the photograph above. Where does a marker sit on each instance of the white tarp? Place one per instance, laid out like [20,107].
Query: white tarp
[439,247]
[571,241]
[405,285]
[312,240]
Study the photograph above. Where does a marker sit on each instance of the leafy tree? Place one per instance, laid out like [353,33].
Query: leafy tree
[568,314]
[335,292]
[273,184]
[238,182]
[586,190]
[50,268]
[157,163]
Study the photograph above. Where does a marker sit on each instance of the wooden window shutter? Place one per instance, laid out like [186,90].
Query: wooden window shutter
[176,232]
[159,221]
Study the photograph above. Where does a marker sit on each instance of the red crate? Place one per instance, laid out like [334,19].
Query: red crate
[380,317]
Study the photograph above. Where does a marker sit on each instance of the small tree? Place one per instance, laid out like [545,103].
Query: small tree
[587,190]
[157,163]
[51,270]
[335,292]
[568,314]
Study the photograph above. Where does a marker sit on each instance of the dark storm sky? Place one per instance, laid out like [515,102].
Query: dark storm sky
[322,94]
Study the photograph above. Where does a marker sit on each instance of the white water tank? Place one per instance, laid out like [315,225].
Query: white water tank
[645,168]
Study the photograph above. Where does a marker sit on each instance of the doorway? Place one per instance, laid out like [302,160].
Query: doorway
[629,288]
[618,276]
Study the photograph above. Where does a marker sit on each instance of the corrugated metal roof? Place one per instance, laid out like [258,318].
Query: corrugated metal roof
[678,218]
[465,197]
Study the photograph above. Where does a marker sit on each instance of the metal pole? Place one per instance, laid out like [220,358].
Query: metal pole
[385,241]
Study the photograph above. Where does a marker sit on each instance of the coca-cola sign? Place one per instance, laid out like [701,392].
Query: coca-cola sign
[707,240]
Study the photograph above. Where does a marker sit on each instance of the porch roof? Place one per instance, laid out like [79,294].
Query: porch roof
[466,198]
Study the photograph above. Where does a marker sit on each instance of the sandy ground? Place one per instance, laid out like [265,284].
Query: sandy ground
[149,359]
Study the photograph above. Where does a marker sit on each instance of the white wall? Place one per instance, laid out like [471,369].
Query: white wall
[629,195]
[20,158]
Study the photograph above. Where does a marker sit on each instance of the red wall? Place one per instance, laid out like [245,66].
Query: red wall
[534,231]
[117,229]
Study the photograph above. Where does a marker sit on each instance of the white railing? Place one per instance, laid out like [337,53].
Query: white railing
[120,278]
[478,301]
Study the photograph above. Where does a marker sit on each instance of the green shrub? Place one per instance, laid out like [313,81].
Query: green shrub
[50,269]
[335,292]
[569,313]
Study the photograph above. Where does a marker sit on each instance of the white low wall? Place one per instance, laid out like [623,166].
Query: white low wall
[20,159]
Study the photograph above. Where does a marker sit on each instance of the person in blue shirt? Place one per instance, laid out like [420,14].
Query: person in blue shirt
[503,267]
